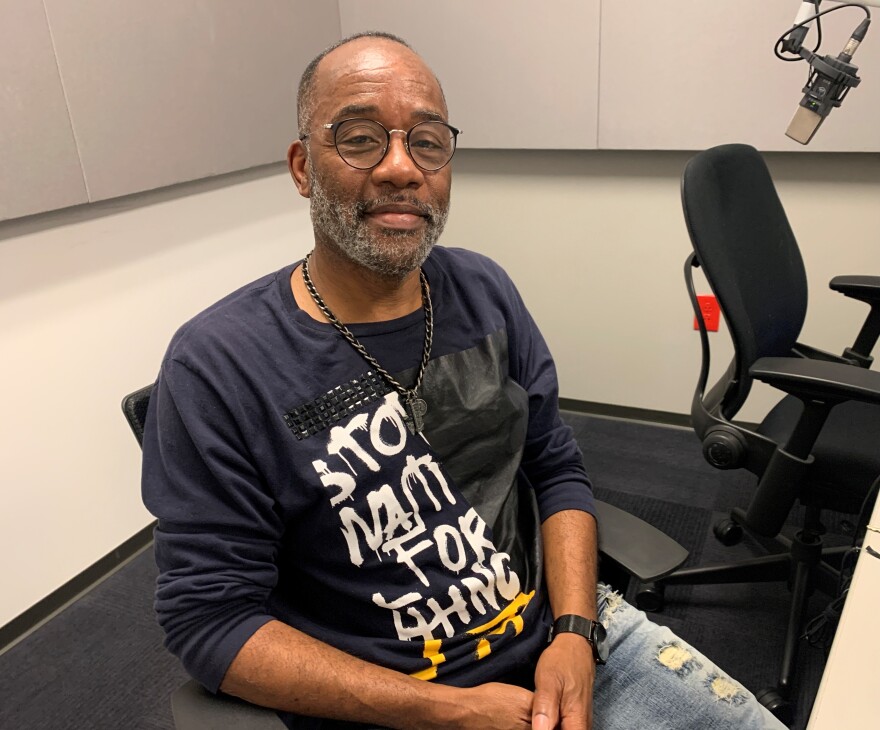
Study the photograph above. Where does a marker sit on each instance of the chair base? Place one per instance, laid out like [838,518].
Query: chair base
[804,563]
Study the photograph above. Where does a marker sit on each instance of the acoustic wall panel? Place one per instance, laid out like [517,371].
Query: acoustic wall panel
[39,167]
[520,75]
[690,74]
[174,90]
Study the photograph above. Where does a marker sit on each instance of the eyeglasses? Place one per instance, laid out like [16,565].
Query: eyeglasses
[363,143]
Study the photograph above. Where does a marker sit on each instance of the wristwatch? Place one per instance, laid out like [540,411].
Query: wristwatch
[592,631]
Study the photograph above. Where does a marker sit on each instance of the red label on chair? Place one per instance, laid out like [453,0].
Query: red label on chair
[711,312]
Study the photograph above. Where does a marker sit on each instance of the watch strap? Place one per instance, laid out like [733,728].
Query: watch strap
[591,630]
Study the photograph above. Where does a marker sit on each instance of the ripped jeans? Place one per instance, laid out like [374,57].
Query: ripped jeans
[655,680]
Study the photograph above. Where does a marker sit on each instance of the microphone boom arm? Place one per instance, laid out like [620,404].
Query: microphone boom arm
[794,39]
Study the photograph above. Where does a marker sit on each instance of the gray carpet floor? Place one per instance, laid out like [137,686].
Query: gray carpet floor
[100,663]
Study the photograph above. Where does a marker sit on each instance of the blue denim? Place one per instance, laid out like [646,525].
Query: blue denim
[655,680]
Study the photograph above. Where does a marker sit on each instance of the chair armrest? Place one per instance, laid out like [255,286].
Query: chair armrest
[639,548]
[863,288]
[194,708]
[814,353]
[828,381]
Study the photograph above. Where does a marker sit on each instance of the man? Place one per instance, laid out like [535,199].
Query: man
[369,508]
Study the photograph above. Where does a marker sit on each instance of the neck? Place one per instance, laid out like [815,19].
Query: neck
[353,293]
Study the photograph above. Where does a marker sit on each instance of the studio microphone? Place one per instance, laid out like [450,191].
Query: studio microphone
[829,82]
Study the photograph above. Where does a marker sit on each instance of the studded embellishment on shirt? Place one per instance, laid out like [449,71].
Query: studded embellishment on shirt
[336,404]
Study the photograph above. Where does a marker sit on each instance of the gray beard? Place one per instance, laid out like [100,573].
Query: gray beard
[390,253]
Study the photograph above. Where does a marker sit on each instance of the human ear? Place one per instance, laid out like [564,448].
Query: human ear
[297,162]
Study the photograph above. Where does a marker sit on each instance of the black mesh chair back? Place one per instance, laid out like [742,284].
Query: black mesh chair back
[750,257]
[135,406]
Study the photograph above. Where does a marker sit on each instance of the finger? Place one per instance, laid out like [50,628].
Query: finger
[545,710]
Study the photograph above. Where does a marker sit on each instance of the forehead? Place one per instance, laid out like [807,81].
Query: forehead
[376,77]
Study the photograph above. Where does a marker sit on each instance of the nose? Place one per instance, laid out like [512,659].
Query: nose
[397,167]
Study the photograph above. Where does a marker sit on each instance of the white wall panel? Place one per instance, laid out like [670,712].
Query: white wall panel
[39,167]
[690,74]
[89,299]
[175,90]
[518,74]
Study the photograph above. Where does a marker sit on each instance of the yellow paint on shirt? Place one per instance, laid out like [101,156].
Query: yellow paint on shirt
[484,648]
[508,616]
[432,654]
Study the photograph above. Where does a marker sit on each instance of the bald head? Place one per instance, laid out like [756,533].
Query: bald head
[358,48]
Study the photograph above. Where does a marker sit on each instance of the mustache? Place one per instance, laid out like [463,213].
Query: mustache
[430,212]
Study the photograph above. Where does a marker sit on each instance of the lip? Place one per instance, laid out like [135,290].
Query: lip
[397,215]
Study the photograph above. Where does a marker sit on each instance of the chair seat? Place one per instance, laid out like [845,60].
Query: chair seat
[194,708]
[847,451]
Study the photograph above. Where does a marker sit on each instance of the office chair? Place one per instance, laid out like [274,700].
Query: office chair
[821,444]
[629,549]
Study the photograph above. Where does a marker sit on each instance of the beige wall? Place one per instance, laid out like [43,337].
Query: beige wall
[89,298]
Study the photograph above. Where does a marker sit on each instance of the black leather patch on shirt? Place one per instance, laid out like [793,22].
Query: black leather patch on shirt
[336,404]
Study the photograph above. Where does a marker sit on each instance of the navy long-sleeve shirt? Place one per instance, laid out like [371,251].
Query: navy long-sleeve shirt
[287,486]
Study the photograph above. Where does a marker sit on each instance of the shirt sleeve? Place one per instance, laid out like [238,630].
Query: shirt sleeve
[552,460]
[218,531]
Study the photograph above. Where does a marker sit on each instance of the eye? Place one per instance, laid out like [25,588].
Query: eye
[430,137]
[359,140]
[426,142]
[360,135]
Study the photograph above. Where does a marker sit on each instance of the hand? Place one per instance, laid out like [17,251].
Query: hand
[564,685]
[495,706]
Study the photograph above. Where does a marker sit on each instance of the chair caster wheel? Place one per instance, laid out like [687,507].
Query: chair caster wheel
[728,532]
[780,707]
[651,597]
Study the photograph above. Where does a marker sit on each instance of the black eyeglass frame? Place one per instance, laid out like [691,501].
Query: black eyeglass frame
[334,126]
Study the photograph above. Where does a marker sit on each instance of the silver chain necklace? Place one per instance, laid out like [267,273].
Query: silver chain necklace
[415,406]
